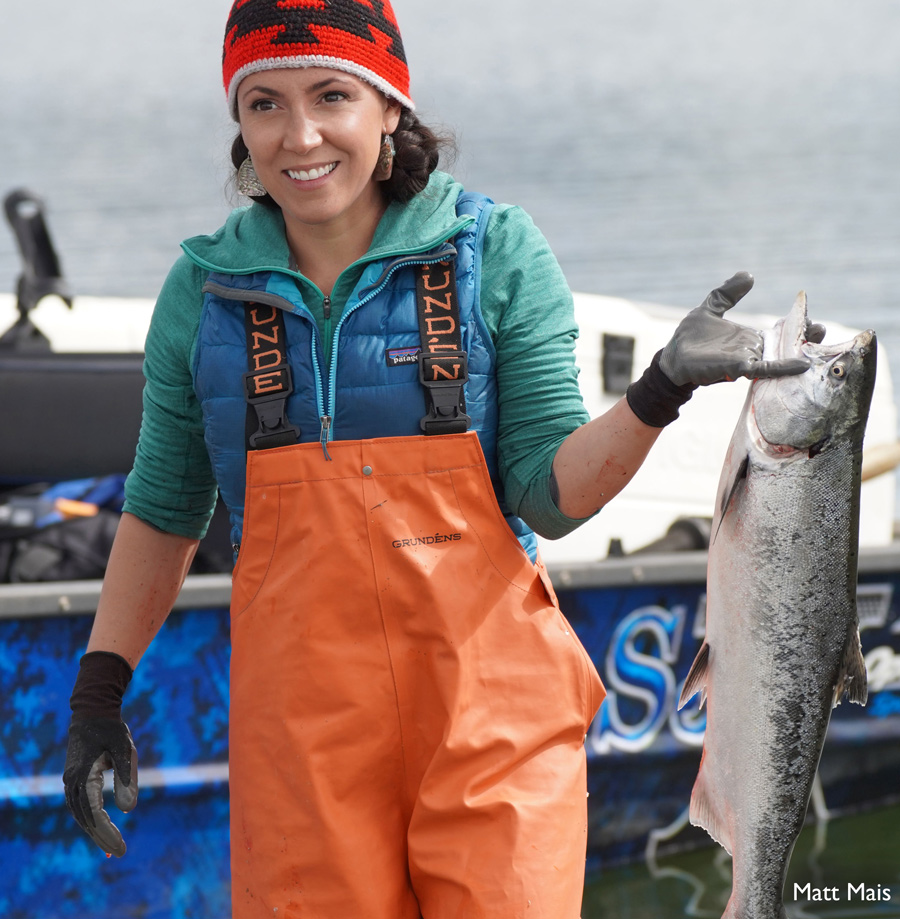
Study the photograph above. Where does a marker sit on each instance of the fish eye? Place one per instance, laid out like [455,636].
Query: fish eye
[838,370]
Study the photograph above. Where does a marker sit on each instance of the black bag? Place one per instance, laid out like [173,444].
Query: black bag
[38,543]
[71,550]
[59,532]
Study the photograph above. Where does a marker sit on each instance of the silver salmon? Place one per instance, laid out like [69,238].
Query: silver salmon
[782,632]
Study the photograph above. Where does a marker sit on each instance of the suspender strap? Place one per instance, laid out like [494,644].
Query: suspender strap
[443,365]
[267,382]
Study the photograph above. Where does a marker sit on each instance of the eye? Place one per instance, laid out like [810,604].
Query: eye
[262,105]
[838,370]
[334,96]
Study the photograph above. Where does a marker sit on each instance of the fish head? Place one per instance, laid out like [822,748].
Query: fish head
[828,402]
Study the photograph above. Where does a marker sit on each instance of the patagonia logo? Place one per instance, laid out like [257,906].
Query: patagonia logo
[426,540]
[397,357]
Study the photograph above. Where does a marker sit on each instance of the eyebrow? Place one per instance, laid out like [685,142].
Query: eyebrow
[268,91]
[328,80]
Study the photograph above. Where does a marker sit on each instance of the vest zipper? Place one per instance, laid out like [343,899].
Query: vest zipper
[379,286]
[324,435]
[326,325]
[326,414]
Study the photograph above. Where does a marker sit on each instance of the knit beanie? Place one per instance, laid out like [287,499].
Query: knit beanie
[360,37]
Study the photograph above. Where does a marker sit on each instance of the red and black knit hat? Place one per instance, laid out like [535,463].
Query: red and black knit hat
[357,36]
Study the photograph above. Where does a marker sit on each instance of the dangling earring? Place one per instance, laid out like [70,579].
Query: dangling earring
[248,181]
[385,159]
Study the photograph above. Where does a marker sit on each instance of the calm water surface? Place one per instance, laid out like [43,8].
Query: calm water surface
[659,146]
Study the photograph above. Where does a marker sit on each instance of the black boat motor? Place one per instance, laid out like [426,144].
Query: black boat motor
[63,415]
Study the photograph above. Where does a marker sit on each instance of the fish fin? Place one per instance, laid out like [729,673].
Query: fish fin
[696,678]
[704,814]
[852,678]
[739,475]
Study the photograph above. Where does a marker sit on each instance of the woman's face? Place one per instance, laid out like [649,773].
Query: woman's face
[314,136]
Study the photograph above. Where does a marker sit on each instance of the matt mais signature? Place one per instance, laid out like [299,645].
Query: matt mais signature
[833,894]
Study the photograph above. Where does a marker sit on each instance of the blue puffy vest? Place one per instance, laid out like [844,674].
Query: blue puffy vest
[363,393]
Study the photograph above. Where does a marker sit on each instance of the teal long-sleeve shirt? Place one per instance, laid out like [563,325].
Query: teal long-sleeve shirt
[525,301]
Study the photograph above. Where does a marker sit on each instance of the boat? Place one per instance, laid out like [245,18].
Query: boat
[631,583]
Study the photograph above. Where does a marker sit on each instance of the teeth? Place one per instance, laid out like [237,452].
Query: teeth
[301,175]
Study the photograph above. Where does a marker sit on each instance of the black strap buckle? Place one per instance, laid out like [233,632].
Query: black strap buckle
[267,392]
[444,377]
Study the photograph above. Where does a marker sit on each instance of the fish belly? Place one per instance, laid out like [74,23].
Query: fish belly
[779,611]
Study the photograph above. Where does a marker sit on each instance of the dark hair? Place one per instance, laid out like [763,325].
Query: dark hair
[418,150]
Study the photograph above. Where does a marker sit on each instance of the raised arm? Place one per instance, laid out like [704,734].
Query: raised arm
[596,461]
[600,458]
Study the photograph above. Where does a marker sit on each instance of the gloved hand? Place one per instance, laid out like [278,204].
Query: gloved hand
[707,348]
[100,740]
[96,745]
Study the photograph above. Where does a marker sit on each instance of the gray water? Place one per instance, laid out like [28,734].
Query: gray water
[660,146]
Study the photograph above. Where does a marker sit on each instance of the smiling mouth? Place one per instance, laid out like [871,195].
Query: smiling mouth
[303,175]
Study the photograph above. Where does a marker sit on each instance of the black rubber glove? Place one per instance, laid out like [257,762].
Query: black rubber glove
[707,348]
[100,740]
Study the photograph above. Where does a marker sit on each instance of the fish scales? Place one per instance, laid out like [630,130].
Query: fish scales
[790,599]
[782,640]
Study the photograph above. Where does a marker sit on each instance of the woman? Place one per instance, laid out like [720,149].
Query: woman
[375,368]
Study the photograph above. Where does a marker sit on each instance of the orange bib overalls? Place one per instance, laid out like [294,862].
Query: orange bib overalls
[408,704]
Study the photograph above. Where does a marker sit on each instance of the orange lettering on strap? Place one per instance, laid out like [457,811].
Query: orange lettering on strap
[437,369]
[426,278]
[267,359]
[443,305]
[434,327]
[261,336]
[254,316]
[267,382]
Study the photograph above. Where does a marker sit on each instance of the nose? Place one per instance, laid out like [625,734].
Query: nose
[303,133]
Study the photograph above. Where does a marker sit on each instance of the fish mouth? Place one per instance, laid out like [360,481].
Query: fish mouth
[797,415]
[791,338]
[791,332]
